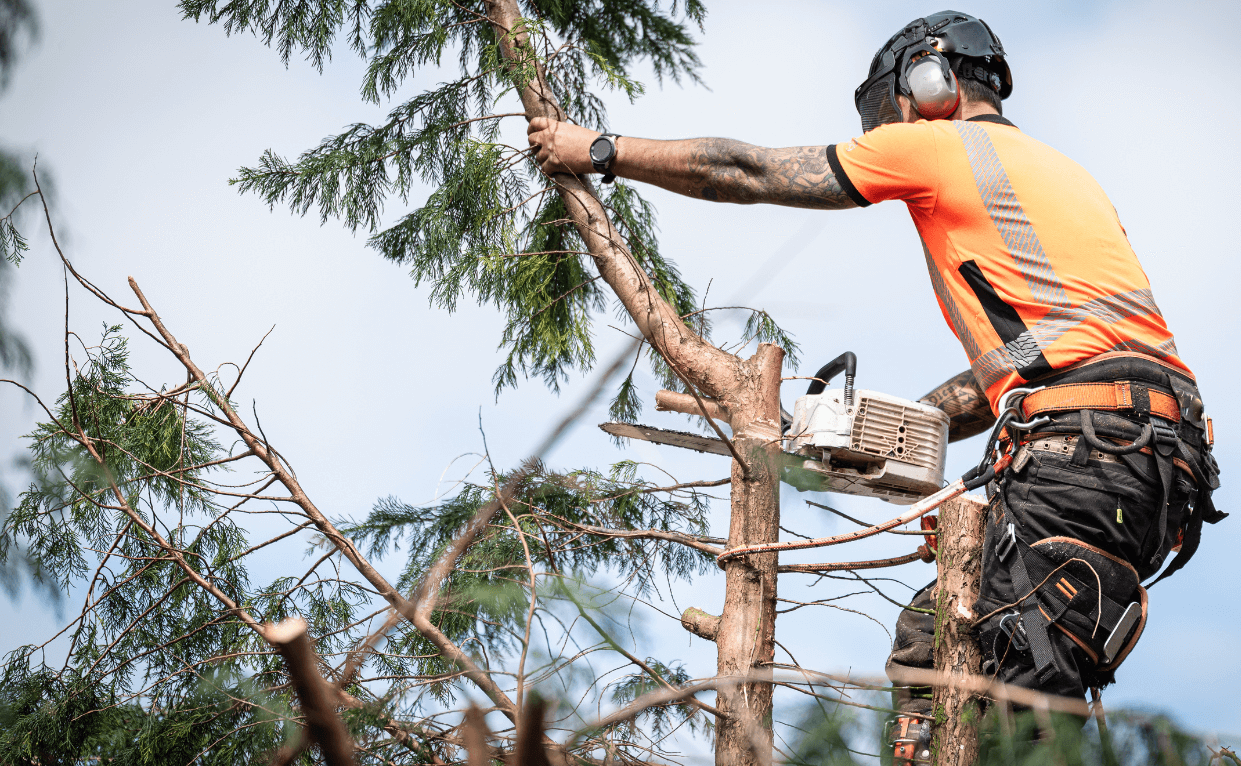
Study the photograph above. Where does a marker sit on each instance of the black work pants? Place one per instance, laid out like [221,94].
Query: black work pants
[1113,506]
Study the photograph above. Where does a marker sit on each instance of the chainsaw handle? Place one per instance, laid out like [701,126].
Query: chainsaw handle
[846,362]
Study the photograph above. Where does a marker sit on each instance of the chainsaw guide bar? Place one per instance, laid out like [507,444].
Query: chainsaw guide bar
[696,442]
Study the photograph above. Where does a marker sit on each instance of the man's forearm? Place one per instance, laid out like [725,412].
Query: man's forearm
[724,170]
[716,169]
[966,404]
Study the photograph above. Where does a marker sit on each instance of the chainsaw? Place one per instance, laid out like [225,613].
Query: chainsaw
[846,440]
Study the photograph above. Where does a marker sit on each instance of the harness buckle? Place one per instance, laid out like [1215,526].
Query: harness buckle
[1013,628]
[1006,543]
[1165,437]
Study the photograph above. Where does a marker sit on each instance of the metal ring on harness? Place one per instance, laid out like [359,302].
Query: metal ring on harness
[1009,408]
[1006,402]
[1016,632]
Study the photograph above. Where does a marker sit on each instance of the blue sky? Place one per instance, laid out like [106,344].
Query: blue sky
[142,117]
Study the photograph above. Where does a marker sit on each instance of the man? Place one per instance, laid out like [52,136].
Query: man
[1111,466]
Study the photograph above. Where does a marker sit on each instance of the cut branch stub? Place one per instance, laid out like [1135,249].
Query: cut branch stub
[700,623]
[673,401]
[323,724]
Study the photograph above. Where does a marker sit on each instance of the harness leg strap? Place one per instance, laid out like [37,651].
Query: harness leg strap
[1034,621]
[1165,442]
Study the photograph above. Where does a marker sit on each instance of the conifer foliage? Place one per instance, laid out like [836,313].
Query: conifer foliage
[146,495]
[492,230]
[137,503]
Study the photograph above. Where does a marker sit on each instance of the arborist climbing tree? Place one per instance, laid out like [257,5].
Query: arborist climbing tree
[1105,442]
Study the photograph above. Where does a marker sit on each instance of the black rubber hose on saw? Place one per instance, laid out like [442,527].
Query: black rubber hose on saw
[846,362]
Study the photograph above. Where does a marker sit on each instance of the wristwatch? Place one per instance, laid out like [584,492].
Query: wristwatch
[602,152]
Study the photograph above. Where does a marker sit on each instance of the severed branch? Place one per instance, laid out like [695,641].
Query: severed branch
[323,724]
[418,616]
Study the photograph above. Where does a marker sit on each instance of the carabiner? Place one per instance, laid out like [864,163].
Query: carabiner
[1006,402]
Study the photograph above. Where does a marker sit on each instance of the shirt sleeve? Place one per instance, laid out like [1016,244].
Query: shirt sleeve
[890,162]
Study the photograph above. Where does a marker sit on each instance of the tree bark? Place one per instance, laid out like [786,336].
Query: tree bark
[746,391]
[957,653]
[747,631]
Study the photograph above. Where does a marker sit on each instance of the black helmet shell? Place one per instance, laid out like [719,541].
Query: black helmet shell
[955,33]
[966,43]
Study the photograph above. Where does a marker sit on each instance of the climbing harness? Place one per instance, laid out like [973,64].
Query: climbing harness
[1093,597]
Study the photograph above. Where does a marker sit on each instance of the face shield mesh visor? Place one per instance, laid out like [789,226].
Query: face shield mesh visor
[877,104]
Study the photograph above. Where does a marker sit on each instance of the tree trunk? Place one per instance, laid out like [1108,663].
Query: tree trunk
[747,631]
[746,391]
[955,731]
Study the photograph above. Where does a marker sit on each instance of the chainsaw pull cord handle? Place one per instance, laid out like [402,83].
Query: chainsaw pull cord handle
[847,363]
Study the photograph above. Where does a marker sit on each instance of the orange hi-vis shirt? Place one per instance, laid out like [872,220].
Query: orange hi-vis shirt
[1029,261]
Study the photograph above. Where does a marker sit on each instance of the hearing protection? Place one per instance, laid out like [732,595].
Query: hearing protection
[924,61]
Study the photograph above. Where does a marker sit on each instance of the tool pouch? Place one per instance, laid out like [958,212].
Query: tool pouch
[1092,597]
[1057,585]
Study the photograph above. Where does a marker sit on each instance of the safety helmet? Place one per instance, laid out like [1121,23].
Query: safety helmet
[923,62]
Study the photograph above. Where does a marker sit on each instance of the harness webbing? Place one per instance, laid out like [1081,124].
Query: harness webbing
[1032,618]
[1111,396]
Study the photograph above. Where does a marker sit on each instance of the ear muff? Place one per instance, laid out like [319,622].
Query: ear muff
[933,87]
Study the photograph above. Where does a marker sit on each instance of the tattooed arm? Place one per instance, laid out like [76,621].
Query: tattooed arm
[966,404]
[716,169]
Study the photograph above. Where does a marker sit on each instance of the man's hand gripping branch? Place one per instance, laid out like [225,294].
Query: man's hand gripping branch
[715,169]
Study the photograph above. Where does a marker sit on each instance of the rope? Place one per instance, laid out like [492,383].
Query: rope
[920,508]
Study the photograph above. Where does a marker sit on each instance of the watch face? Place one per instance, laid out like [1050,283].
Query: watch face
[600,150]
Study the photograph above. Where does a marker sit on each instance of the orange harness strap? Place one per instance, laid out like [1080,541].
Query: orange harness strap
[1099,396]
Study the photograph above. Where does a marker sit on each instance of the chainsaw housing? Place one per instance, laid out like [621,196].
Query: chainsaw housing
[878,446]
